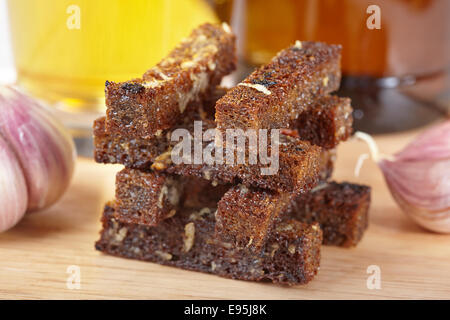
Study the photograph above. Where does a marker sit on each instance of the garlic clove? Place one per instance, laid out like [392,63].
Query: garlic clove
[419,176]
[13,189]
[44,149]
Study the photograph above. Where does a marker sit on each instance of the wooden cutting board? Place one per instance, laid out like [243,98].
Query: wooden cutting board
[36,254]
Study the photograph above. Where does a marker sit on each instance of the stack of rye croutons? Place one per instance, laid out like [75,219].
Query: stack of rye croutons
[230,218]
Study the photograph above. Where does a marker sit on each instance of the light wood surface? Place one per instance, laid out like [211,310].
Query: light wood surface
[35,254]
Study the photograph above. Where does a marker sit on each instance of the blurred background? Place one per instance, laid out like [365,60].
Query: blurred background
[63,51]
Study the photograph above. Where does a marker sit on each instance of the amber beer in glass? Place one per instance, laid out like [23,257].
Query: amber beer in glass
[396,72]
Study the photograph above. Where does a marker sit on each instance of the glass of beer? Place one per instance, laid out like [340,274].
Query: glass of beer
[395,56]
[65,50]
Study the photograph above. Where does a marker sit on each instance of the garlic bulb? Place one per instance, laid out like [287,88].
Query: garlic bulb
[13,189]
[419,177]
[42,147]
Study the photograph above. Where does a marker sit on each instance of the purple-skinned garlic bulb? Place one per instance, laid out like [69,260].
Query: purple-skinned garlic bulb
[43,150]
[419,176]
